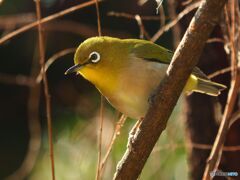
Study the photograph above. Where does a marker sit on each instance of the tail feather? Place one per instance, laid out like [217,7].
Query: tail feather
[208,87]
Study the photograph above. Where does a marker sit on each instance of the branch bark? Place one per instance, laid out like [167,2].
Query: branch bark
[167,93]
[202,113]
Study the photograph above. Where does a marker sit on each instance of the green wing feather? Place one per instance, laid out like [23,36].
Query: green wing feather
[149,50]
[153,52]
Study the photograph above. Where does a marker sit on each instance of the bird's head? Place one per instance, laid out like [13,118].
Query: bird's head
[97,59]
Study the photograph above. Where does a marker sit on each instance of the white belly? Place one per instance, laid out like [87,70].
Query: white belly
[136,85]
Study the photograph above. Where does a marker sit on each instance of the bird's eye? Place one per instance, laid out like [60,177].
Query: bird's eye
[94,57]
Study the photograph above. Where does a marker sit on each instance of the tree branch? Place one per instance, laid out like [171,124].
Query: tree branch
[169,90]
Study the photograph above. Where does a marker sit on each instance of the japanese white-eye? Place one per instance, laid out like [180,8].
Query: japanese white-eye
[127,71]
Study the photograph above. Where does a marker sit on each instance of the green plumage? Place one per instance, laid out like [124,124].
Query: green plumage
[148,50]
[127,71]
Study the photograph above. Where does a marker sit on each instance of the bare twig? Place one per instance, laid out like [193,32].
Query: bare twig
[220,72]
[52,59]
[196,146]
[45,20]
[233,39]
[234,118]
[99,170]
[98,18]
[45,84]
[209,147]
[186,2]
[169,90]
[176,29]
[98,174]
[215,40]
[175,21]
[143,32]
[223,129]
[118,127]
[131,16]
[162,16]
[159,4]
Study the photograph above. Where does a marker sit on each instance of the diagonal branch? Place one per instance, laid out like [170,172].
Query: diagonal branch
[168,92]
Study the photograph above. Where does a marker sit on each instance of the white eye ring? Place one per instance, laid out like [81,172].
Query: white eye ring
[94,57]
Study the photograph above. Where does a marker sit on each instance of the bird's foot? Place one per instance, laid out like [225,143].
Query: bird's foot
[132,134]
[152,97]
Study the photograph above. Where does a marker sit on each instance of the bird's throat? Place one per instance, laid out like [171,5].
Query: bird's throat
[105,83]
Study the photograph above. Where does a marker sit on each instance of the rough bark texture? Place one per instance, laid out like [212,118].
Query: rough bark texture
[201,122]
[169,90]
[201,117]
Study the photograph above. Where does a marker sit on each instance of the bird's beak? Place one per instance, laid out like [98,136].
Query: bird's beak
[73,69]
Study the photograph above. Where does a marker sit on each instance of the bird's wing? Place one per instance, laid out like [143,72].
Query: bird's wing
[152,52]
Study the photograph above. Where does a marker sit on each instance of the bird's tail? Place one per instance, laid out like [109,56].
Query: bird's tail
[209,87]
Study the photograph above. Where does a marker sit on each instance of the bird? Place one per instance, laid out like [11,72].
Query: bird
[127,71]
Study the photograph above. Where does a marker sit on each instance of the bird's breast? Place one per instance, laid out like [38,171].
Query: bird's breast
[135,85]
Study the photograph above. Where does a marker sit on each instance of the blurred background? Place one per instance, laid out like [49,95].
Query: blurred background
[75,103]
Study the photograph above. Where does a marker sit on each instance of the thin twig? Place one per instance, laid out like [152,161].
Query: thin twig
[118,127]
[98,18]
[214,40]
[209,147]
[176,29]
[52,59]
[162,16]
[98,174]
[223,129]
[143,32]
[159,4]
[45,20]
[220,72]
[232,40]
[131,16]
[175,21]
[45,85]
[235,117]
[186,2]
[196,146]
